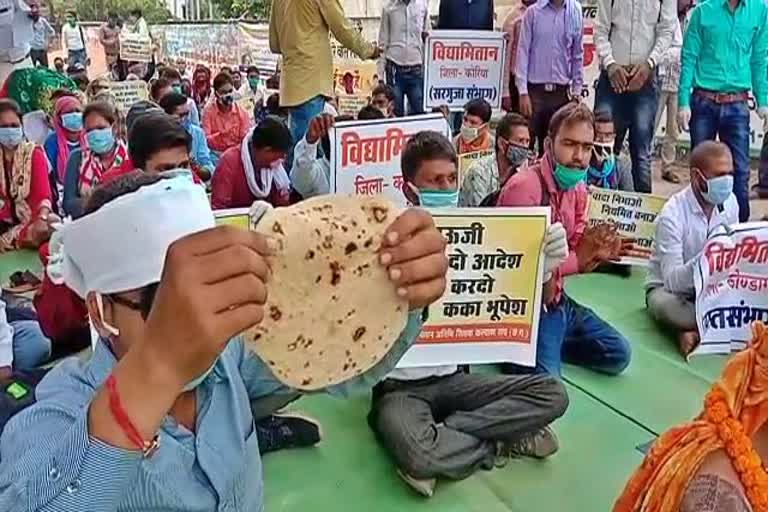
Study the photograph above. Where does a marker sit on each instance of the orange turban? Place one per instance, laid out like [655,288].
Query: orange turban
[735,408]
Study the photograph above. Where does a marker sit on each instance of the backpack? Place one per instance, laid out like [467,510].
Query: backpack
[492,199]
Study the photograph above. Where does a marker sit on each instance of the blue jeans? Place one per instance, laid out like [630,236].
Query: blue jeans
[573,333]
[30,346]
[762,177]
[406,81]
[298,122]
[730,123]
[634,112]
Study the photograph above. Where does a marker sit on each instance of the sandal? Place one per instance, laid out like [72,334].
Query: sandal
[670,176]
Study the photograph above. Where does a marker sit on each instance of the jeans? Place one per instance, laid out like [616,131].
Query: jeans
[298,121]
[30,346]
[575,334]
[634,112]
[77,56]
[730,123]
[406,81]
[448,426]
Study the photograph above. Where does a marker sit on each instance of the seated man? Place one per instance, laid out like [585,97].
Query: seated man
[438,421]
[606,170]
[177,105]
[681,232]
[23,345]
[254,170]
[488,175]
[174,81]
[169,366]
[225,123]
[383,98]
[568,330]
[475,134]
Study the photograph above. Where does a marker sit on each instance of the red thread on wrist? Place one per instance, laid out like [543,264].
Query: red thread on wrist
[121,417]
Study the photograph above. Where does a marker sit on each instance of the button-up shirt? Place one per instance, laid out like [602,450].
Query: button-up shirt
[42,33]
[629,32]
[511,27]
[682,229]
[50,462]
[550,49]
[401,29]
[481,179]
[298,30]
[224,129]
[465,15]
[16,31]
[726,51]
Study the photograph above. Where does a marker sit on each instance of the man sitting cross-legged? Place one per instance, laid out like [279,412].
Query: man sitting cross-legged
[681,232]
[438,421]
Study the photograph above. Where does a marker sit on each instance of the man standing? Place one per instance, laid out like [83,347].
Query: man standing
[136,23]
[298,30]
[669,74]
[401,36]
[109,37]
[549,66]
[510,100]
[16,36]
[465,15]
[43,32]
[73,40]
[725,53]
[631,37]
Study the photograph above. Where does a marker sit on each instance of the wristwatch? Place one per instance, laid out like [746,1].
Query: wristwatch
[651,63]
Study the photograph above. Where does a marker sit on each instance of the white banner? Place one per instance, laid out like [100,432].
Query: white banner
[732,287]
[365,155]
[462,65]
[128,92]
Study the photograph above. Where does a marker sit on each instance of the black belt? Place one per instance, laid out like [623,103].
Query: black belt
[548,87]
[415,67]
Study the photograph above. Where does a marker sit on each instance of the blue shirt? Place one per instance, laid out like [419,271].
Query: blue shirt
[465,15]
[200,153]
[42,31]
[50,463]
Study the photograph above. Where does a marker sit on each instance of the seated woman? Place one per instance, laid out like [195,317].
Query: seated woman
[25,195]
[103,153]
[66,137]
[716,462]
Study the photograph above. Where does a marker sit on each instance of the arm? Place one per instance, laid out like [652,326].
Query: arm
[221,186]
[602,29]
[333,14]
[689,56]
[665,29]
[759,62]
[383,41]
[202,154]
[577,58]
[72,205]
[523,49]
[274,34]
[306,176]
[194,113]
[6,339]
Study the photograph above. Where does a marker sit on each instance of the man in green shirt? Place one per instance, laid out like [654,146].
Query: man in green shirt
[725,54]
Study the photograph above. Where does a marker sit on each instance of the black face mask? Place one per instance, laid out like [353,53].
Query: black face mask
[227,99]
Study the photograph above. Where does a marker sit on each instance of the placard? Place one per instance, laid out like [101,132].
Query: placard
[237,217]
[365,155]
[351,104]
[490,310]
[462,65]
[356,77]
[731,287]
[135,48]
[128,92]
[634,216]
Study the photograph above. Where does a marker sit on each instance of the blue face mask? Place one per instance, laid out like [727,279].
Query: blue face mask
[431,198]
[72,121]
[718,189]
[100,141]
[176,89]
[602,176]
[11,136]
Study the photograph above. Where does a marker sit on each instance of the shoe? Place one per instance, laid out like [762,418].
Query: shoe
[539,445]
[286,430]
[423,486]
[670,176]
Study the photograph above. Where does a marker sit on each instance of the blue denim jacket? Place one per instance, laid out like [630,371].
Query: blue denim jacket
[50,463]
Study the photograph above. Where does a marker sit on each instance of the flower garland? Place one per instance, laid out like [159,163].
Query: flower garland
[738,446]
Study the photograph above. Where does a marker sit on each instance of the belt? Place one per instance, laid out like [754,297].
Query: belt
[414,67]
[548,87]
[722,97]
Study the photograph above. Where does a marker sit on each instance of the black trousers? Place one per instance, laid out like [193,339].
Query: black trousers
[39,57]
[544,104]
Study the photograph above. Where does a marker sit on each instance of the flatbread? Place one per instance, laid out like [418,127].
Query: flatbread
[332,312]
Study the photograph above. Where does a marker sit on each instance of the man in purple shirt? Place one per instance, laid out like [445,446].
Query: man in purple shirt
[550,59]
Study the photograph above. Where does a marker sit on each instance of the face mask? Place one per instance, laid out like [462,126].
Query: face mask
[176,88]
[100,141]
[254,83]
[227,99]
[430,198]
[11,136]
[469,133]
[277,164]
[72,121]
[718,189]
[71,21]
[602,151]
[517,155]
[601,171]
[568,177]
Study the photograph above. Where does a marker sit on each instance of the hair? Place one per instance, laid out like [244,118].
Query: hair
[136,12]
[9,105]
[370,112]
[112,14]
[157,86]
[101,108]
[170,102]
[603,116]
[480,108]
[72,12]
[273,104]
[568,115]
[422,147]
[386,90]
[170,74]
[223,78]
[509,121]
[705,151]
[272,133]
[154,132]
[252,69]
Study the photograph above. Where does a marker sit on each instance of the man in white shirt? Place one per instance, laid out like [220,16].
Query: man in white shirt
[16,35]
[631,37]
[136,23]
[681,232]
[73,40]
[401,35]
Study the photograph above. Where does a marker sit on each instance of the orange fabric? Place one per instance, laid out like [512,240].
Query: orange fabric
[483,142]
[735,408]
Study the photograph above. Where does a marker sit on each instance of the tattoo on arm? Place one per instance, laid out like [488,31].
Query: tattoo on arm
[711,493]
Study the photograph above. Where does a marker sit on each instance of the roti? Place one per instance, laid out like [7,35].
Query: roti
[332,312]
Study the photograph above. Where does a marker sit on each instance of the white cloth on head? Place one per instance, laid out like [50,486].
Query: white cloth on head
[268,176]
[122,245]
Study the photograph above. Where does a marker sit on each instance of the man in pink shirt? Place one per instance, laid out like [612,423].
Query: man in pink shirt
[568,330]
[225,123]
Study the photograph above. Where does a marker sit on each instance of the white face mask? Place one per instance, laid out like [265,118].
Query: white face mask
[469,133]
[114,331]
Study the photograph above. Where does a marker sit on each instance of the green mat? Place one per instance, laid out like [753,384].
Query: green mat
[10,262]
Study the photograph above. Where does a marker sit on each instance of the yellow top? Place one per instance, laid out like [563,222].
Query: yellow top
[298,30]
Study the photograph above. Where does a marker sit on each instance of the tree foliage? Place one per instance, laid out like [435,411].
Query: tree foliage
[96,10]
[236,9]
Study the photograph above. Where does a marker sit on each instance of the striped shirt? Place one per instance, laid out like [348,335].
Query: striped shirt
[52,464]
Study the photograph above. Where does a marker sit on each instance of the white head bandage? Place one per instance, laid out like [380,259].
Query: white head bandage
[122,245]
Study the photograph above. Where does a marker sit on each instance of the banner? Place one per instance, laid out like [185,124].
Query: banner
[634,216]
[351,104]
[354,77]
[365,155]
[184,46]
[462,65]
[135,47]
[731,287]
[129,92]
[490,310]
